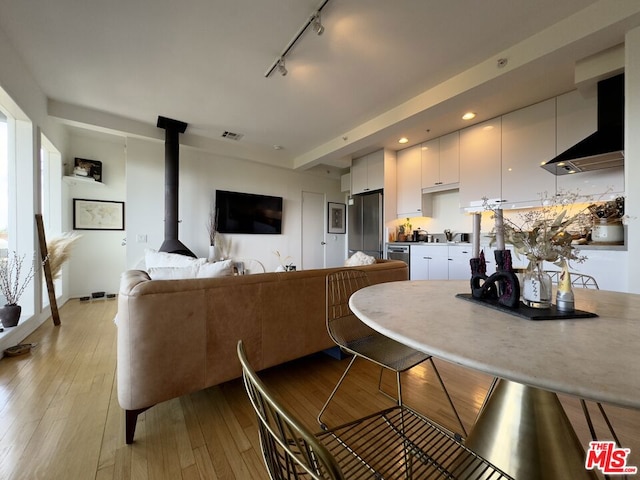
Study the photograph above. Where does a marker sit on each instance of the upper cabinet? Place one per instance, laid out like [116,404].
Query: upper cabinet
[367,173]
[577,118]
[409,185]
[480,160]
[441,163]
[528,139]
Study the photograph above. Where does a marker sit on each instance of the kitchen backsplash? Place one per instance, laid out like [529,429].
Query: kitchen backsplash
[447,215]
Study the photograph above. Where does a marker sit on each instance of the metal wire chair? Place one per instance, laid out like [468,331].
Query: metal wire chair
[577,279]
[396,443]
[354,337]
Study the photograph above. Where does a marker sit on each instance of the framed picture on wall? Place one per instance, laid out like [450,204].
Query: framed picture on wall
[337,218]
[97,215]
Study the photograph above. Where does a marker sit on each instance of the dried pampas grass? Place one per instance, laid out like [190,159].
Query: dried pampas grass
[59,250]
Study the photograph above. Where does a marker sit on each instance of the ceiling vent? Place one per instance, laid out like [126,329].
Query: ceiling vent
[232,136]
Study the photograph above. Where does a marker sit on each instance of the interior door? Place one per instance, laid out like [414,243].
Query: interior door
[313,222]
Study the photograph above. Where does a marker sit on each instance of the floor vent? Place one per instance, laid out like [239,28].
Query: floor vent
[232,136]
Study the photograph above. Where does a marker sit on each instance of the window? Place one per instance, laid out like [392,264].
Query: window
[50,201]
[4,186]
[17,206]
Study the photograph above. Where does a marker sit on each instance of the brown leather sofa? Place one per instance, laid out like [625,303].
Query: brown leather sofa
[179,336]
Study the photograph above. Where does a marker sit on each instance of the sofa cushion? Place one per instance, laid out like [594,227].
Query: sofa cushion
[172,273]
[155,259]
[359,259]
[223,268]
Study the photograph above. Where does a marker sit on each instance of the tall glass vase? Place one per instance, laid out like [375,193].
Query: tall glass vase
[536,287]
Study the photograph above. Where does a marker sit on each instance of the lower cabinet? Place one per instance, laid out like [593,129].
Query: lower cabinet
[440,262]
[428,262]
[458,259]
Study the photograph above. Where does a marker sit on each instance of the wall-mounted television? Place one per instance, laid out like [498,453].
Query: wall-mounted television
[248,213]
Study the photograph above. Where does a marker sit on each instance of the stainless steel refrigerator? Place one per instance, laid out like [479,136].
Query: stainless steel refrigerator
[365,224]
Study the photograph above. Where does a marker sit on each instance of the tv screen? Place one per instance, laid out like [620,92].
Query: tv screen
[248,213]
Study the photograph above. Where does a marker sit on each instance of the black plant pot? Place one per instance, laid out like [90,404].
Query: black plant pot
[10,315]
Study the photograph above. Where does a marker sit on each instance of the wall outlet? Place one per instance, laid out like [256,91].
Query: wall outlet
[141,238]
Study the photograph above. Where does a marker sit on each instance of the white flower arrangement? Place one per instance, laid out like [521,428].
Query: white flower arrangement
[11,271]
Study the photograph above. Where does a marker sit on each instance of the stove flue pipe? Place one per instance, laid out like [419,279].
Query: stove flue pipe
[173,129]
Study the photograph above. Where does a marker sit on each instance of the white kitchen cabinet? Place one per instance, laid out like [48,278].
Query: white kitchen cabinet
[441,163]
[528,139]
[450,159]
[440,262]
[367,173]
[480,160]
[459,267]
[430,163]
[345,182]
[429,262]
[610,268]
[409,187]
[577,118]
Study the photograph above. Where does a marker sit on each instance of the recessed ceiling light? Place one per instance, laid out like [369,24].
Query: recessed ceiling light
[403,140]
[277,147]
[469,116]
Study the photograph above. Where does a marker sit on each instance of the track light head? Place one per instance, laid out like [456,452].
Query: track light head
[281,67]
[316,24]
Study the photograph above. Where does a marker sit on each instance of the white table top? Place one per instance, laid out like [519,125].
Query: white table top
[594,358]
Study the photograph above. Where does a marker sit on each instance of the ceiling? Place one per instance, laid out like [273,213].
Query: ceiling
[381,70]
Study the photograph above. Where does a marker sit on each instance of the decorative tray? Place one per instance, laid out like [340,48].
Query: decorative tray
[527,312]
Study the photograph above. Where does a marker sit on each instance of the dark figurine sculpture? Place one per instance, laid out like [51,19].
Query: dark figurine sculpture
[502,286]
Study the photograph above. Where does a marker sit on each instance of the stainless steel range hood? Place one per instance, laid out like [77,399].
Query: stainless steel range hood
[605,147]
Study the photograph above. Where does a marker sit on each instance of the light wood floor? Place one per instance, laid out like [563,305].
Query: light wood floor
[60,419]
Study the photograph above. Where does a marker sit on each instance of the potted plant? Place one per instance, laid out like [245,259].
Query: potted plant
[546,234]
[12,285]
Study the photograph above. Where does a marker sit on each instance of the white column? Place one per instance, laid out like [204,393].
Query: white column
[632,155]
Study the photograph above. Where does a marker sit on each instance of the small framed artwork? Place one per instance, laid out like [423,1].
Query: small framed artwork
[337,218]
[97,215]
[85,168]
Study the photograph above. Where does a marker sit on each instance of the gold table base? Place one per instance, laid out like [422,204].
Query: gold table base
[525,432]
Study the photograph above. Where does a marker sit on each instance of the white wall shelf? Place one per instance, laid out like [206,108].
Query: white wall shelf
[73,180]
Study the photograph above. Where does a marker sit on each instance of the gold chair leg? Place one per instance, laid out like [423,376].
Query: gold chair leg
[397,401]
[335,389]
[446,392]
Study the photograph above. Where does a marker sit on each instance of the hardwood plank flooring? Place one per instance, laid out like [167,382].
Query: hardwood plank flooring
[60,418]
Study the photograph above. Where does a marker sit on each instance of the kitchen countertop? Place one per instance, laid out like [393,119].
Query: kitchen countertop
[429,243]
[621,248]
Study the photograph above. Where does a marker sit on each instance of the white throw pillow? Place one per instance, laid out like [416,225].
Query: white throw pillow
[223,268]
[358,259]
[172,273]
[155,259]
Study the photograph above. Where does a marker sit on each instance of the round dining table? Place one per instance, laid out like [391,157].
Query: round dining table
[522,428]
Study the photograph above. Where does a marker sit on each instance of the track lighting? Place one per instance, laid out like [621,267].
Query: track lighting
[315,23]
[281,68]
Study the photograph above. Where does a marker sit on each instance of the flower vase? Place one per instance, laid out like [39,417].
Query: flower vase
[10,315]
[536,287]
[213,254]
